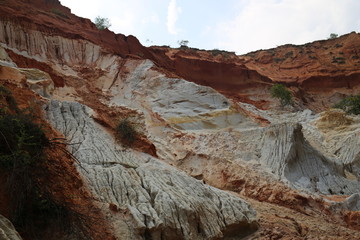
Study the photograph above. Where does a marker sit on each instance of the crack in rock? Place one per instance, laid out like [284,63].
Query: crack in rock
[164,202]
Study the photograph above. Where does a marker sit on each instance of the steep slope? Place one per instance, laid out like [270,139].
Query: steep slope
[50,17]
[200,118]
[319,73]
[140,196]
[164,203]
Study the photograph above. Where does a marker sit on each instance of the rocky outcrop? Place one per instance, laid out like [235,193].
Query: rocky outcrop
[38,81]
[339,137]
[35,79]
[5,60]
[182,104]
[51,18]
[207,113]
[313,70]
[290,156]
[7,230]
[351,203]
[163,202]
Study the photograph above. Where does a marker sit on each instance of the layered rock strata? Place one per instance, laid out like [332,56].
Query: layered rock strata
[163,202]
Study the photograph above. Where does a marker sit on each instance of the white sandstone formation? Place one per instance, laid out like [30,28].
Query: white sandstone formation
[192,127]
[7,230]
[164,203]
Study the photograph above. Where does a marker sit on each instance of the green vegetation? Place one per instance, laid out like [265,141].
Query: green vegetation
[339,60]
[59,13]
[338,45]
[333,36]
[282,93]
[22,158]
[22,142]
[350,104]
[125,132]
[102,23]
[277,60]
[224,53]
[6,95]
[289,54]
[183,43]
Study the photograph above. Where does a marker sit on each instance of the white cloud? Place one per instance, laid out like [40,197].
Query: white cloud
[77,7]
[172,17]
[267,23]
[124,24]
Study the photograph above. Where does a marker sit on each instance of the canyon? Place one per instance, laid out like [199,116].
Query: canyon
[214,155]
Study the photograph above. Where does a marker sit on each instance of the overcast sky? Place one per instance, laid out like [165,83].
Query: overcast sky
[234,25]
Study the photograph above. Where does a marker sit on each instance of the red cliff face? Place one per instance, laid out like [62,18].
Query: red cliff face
[50,17]
[106,72]
[314,71]
[222,71]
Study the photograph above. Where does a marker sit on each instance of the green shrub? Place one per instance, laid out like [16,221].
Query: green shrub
[289,54]
[102,23]
[350,104]
[9,99]
[59,13]
[22,157]
[339,60]
[125,132]
[338,45]
[277,60]
[183,43]
[224,53]
[282,93]
[333,36]
[21,140]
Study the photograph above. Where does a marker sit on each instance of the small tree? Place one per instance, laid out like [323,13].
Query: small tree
[333,36]
[282,93]
[102,23]
[183,43]
[350,104]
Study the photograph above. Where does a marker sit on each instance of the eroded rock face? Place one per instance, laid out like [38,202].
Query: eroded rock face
[351,203]
[290,156]
[38,81]
[182,104]
[35,79]
[7,230]
[200,111]
[55,19]
[338,137]
[5,60]
[164,203]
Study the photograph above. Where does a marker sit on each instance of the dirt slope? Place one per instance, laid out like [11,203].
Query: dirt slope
[318,74]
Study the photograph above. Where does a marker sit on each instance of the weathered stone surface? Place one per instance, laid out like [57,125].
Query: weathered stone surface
[183,104]
[351,203]
[5,60]
[7,230]
[289,156]
[164,202]
[338,137]
[38,81]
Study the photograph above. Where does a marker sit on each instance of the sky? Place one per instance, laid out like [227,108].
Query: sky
[240,26]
